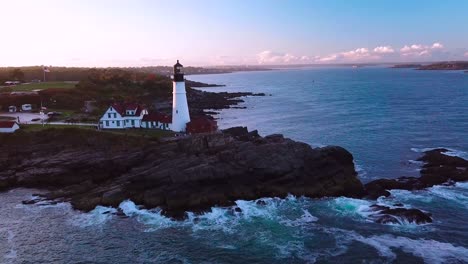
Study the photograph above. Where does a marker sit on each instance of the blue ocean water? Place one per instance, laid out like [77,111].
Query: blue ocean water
[380,115]
[385,117]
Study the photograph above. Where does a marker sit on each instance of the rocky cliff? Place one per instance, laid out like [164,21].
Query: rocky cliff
[90,168]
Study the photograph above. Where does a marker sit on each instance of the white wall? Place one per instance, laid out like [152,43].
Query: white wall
[156,125]
[111,119]
[180,111]
[116,121]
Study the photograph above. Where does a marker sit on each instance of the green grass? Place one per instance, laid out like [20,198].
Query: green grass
[7,118]
[157,133]
[40,127]
[43,85]
[148,133]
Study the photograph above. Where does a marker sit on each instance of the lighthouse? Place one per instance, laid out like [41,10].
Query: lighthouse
[180,111]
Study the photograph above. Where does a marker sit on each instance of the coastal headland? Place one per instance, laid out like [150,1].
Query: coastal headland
[89,168]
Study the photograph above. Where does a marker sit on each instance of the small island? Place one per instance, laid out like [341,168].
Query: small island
[403,66]
[448,65]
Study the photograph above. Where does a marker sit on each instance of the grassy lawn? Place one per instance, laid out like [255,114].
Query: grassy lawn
[157,133]
[43,85]
[7,118]
[65,114]
[40,127]
[148,133]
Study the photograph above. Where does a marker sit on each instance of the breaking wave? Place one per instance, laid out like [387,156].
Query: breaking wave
[97,217]
[430,251]
[451,152]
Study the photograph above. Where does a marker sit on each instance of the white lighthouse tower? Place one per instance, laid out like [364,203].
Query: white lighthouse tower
[180,111]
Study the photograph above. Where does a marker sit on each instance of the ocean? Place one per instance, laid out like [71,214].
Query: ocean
[385,117]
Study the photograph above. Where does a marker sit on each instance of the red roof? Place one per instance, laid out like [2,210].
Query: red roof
[7,124]
[157,117]
[122,108]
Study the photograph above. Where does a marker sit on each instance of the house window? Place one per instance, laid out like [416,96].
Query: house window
[118,123]
[109,115]
[133,123]
[126,121]
[115,115]
[107,123]
[113,122]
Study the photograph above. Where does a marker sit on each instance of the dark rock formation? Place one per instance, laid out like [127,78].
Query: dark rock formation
[387,215]
[201,101]
[437,169]
[409,65]
[446,65]
[90,168]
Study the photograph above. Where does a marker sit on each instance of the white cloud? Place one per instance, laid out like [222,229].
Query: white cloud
[437,45]
[329,58]
[272,57]
[359,54]
[418,50]
[466,54]
[384,50]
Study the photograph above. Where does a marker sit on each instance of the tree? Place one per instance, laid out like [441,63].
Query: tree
[17,75]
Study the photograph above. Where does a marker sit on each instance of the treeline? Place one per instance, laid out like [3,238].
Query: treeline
[31,73]
[27,74]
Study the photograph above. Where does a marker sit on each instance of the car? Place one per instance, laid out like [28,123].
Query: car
[54,113]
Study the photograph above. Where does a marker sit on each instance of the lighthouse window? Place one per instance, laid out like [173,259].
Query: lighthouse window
[177,111]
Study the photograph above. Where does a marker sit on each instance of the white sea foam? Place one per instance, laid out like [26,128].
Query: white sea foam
[295,249]
[152,217]
[360,170]
[450,193]
[352,207]
[404,196]
[216,219]
[11,255]
[97,217]
[359,209]
[430,251]
[266,209]
[462,185]
[451,152]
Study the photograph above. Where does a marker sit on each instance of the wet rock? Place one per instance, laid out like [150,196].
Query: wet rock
[387,215]
[33,201]
[90,168]
[387,219]
[261,202]
[438,169]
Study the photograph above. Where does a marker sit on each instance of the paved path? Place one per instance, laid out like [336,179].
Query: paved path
[25,118]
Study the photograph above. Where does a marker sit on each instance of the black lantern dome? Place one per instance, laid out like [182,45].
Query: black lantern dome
[178,72]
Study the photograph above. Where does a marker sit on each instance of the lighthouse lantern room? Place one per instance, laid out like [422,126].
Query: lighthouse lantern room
[180,111]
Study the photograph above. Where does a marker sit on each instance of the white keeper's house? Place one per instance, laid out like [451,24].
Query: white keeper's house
[120,116]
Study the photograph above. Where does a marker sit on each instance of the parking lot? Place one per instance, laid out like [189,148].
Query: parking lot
[25,117]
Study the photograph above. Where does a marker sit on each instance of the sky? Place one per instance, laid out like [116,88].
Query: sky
[102,33]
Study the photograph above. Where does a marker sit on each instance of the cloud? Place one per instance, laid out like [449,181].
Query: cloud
[466,54]
[272,57]
[419,50]
[359,54]
[383,53]
[437,45]
[384,50]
